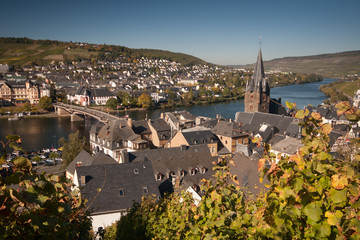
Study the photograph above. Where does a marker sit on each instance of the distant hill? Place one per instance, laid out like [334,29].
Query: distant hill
[324,64]
[25,51]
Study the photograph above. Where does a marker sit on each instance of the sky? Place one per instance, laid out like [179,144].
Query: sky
[223,32]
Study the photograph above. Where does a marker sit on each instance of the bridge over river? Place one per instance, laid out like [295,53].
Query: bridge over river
[77,111]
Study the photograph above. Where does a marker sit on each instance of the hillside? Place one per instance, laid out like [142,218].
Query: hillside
[325,64]
[24,51]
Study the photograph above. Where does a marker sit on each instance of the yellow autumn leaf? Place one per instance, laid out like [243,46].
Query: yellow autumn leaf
[261,164]
[316,115]
[326,128]
[339,182]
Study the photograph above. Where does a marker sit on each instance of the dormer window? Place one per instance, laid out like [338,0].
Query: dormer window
[195,187]
[171,174]
[203,170]
[136,171]
[159,177]
[182,173]
[121,192]
[195,141]
[145,190]
[193,171]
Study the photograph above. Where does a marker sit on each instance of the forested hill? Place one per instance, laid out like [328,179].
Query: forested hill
[25,51]
[325,64]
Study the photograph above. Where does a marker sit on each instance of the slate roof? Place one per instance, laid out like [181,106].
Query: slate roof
[199,137]
[84,157]
[258,82]
[141,127]
[276,138]
[288,145]
[187,115]
[209,123]
[132,178]
[282,124]
[96,128]
[166,160]
[101,158]
[228,129]
[160,125]
[247,174]
[101,92]
[116,131]
[243,117]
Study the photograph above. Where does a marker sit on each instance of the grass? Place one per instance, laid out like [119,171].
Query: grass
[349,88]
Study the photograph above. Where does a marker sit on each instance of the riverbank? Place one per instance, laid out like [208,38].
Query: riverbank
[42,115]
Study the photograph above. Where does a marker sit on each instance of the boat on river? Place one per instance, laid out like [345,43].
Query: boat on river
[16,117]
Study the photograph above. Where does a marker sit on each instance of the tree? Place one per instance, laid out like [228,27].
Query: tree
[53,155]
[38,206]
[45,103]
[73,147]
[112,103]
[124,98]
[226,92]
[53,93]
[26,107]
[144,101]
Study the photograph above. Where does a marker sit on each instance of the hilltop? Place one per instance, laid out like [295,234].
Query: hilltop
[325,64]
[25,51]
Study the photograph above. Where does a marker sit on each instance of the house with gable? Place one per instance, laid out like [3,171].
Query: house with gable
[115,137]
[161,132]
[177,168]
[190,137]
[120,186]
[85,159]
[230,134]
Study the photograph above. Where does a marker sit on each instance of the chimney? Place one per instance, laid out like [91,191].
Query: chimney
[129,122]
[162,115]
[217,116]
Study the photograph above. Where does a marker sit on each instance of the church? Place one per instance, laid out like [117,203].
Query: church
[257,92]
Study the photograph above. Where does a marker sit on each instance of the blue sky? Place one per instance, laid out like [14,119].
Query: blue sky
[221,32]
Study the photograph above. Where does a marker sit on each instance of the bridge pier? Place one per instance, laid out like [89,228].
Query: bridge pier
[62,112]
[75,118]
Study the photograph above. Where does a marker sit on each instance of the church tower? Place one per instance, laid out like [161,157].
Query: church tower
[257,91]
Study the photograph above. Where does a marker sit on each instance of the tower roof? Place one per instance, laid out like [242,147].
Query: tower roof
[258,81]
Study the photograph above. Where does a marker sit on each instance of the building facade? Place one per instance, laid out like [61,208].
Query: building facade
[18,91]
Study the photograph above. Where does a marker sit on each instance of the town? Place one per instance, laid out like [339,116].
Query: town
[130,159]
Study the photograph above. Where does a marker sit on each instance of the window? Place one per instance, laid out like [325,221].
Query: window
[193,171]
[145,190]
[136,171]
[121,192]
[171,174]
[182,173]
[159,177]
[203,170]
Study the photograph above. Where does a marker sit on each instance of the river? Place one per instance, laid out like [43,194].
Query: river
[39,133]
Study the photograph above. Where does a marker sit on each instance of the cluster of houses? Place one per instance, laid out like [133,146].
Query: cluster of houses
[135,158]
[85,82]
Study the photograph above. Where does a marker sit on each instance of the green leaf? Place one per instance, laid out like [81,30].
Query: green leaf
[313,212]
[323,230]
[22,163]
[337,196]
